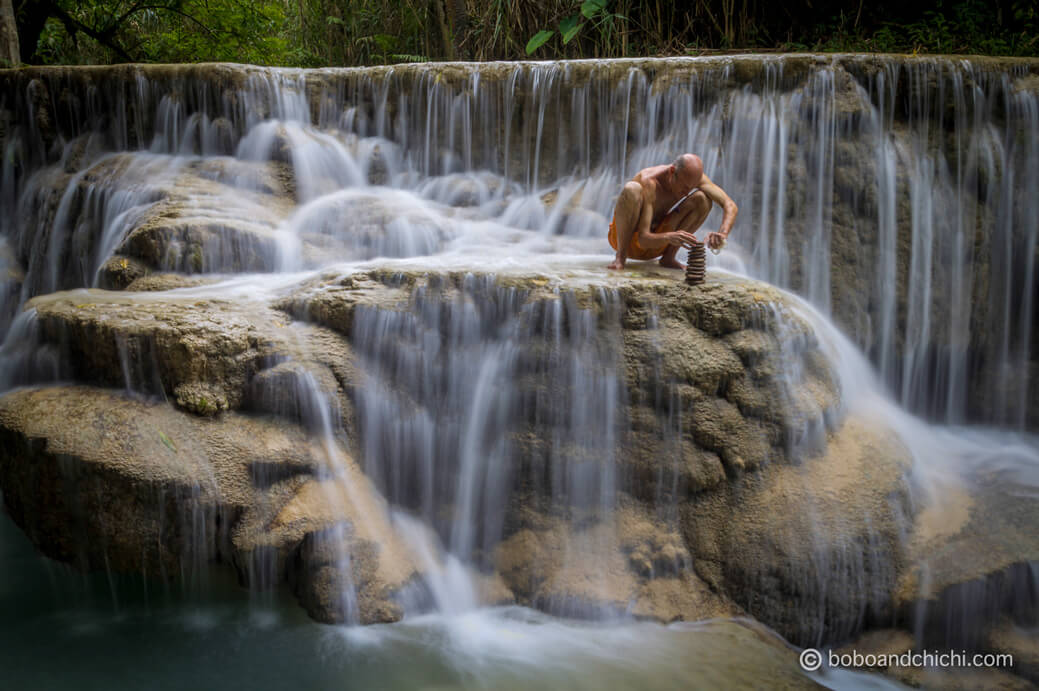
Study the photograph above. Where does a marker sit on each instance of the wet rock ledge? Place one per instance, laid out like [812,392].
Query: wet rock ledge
[193,436]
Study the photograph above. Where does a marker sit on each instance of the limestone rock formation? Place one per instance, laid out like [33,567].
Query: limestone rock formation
[628,565]
[818,545]
[739,485]
[108,481]
[201,352]
[710,357]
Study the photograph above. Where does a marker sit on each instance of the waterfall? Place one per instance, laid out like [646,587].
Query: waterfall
[889,193]
[448,411]
[402,270]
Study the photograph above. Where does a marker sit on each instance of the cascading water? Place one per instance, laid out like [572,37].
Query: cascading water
[447,412]
[491,408]
[904,158]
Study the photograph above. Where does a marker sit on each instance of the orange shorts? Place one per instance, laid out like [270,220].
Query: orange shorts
[637,251]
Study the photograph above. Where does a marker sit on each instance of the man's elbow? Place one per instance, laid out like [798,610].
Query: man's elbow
[731,208]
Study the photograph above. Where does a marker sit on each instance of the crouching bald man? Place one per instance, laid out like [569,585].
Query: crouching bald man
[661,208]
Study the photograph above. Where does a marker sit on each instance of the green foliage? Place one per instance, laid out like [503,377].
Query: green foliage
[219,31]
[568,28]
[965,27]
[310,33]
[170,31]
[932,31]
[539,39]
[591,12]
[591,8]
[359,32]
[884,40]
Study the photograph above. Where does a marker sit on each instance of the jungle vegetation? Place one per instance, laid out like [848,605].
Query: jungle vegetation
[310,33]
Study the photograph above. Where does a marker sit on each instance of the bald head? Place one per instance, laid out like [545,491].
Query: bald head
[688,170]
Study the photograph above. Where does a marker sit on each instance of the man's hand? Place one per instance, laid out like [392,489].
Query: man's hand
[682,238]
[715,241]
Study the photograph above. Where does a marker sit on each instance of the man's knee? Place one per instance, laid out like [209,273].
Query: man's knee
[692,212]
[630,200]
[631,193]
[699,202]
[696,207]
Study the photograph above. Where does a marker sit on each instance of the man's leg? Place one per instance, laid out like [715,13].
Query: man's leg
[689,216]
[625,219]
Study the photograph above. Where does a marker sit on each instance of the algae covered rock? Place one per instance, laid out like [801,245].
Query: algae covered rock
[200,399]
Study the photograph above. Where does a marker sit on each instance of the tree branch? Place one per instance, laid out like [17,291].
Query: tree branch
[187,16]
[72,25]
[133,8]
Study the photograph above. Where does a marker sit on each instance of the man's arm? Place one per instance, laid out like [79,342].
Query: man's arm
[729,210]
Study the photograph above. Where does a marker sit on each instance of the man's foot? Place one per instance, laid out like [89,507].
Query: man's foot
[616,264]
[671,263]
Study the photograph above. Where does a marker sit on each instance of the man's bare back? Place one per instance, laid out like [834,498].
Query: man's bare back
[647,223]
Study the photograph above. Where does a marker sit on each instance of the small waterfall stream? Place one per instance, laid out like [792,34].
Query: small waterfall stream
[890,197]
[440,411]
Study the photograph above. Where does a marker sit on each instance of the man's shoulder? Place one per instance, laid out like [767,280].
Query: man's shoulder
[706,181]
[648,178]
[652,171]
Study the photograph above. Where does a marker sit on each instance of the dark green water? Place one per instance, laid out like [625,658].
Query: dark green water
[61,629]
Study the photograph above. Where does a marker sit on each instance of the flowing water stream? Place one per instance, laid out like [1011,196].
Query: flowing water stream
[892,198]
